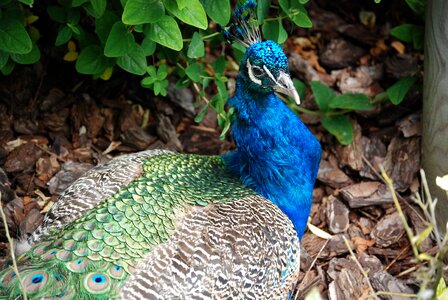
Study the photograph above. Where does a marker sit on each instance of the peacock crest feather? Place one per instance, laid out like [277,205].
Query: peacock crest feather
[244,25]
[161,225]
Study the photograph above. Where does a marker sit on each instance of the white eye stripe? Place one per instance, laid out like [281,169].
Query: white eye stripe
[251,74]
[269,74]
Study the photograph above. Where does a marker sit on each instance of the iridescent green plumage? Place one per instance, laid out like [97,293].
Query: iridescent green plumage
[123,228]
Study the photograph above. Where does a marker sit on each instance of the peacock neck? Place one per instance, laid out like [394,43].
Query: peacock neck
[276,154]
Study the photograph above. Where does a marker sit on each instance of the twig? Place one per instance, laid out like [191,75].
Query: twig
[11,249]
[50,153]
[431,204]
[408,271]
[364,273]
[312,265]
[397,294]
[396,258]
[399,196]
[399,210]
[207,101]
[39,87]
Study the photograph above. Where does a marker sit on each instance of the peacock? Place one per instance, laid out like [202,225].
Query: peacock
[163,225]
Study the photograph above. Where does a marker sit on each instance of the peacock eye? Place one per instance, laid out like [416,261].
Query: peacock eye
[257,71]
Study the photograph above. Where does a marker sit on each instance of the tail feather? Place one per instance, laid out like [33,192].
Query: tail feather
[47,273]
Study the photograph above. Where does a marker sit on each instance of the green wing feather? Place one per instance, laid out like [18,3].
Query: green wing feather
[91,257]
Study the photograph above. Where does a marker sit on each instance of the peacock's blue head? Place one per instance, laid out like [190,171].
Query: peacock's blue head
[264,69]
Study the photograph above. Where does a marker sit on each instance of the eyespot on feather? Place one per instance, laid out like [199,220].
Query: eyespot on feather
[50,254]
[64,255]
[77,266]
[35,281]
[116,272]
[97,283]
[39,250]
[8,278]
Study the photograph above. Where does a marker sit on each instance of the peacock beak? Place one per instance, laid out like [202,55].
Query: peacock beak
[285,86]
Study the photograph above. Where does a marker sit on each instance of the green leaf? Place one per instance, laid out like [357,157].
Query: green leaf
[351,101]
[149,46]
[74,28]
[64,35]
[91,60]
[262,9]
[13,37]
[285,5]
[166,32]
[340,126]
[238,51]
[104,24]
[300,87]
[119,42]
[441,289]
[162,73]
[148,81]
[193,14]
[77,3]
[404,32]
[151,70]
[164,85]
[3,59]
[302,20]
[8,67]
[418,239]
[143,11]
[274,30]
[99,7]
[418,6]
[219,64]
[29,58]
[181,4]
[193,72]
[323,95]
[157,88]
[418,37]
[27,2]
[296,12]
[399,89]
[226,128]
[200,116]
[218,10]
[196,48]
[134,61]
[57,13]
[160,87]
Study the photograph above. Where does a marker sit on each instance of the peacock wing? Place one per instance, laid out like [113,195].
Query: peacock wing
[244,249]
[96,185]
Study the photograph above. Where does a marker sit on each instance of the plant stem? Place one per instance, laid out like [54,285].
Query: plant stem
[364,273]
[205,37]
[400,211]
[11,249]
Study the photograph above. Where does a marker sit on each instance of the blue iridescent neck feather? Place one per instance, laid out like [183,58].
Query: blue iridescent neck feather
[276,154]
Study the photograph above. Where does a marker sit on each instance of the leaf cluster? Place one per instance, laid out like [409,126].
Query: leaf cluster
[163,40]
[160,40]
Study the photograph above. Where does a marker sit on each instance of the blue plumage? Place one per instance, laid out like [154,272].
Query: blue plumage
[244,27]
[277,155]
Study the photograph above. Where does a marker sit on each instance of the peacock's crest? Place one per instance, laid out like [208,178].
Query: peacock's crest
[243,27]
